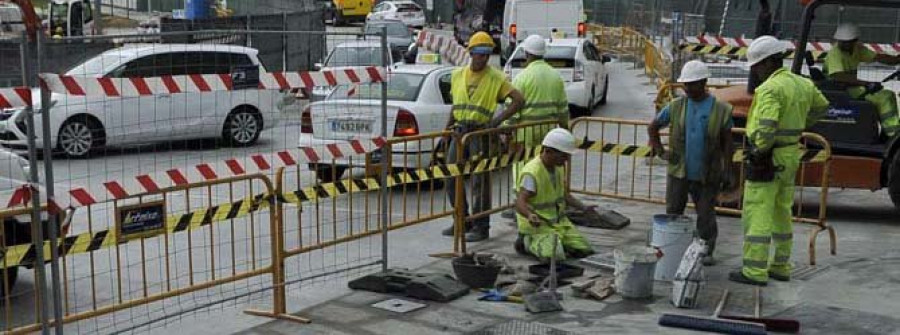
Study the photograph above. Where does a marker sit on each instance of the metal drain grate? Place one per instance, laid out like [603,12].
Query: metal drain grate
[517,327]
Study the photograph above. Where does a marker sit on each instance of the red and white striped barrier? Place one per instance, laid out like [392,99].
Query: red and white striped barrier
[446,46]
[12,97]
[133,87]
[259,163]
[891,49]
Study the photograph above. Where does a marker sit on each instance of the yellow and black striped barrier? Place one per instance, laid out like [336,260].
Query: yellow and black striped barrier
[809,155]
[736,51]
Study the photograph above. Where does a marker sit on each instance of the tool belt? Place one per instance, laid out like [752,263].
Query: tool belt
[760,166]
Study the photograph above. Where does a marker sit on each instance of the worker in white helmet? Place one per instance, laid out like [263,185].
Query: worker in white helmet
[545,99]
[700,151]
[841,65]
[783,106]
[542,199]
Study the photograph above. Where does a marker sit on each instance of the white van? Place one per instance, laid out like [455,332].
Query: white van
[547,18]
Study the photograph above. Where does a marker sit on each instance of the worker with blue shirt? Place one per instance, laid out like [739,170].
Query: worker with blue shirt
[700,151]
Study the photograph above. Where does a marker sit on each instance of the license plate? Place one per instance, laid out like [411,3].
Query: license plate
[351,126]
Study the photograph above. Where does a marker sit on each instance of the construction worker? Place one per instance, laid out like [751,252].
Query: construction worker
[841,65]
[545,99]
[542,199]
[476,91]
[784,105]
[701,151]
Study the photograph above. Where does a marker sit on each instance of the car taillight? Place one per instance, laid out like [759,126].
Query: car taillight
[512,32]
[306,125]
[578,72]
[581,29]
[406,124]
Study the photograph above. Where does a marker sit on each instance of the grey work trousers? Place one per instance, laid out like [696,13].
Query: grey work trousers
[479,184]
[704,197]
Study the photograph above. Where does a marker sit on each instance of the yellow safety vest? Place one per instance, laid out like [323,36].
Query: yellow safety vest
[545,100]
[478,108]
[549,202]
[718,119]
[782,108]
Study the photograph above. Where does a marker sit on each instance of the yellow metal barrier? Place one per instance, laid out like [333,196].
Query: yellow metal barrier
[134,249]
[488,151]
[628,42]
[616,151]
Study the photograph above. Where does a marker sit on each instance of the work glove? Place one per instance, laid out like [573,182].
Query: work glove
[873,87]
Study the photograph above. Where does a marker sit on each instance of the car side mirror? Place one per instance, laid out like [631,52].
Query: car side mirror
[318,66]
[606,59]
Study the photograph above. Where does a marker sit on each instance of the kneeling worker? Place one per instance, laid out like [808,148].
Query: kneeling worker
[542,200]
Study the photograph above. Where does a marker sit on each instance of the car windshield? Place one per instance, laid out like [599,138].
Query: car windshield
[393,29]
[95,66]
[556,56]
[401,87]
[355,56]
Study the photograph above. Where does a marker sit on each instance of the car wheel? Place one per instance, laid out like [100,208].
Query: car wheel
[79,136]
[10,274]
[605,91]
[242,127]
[329,173]
[894,180]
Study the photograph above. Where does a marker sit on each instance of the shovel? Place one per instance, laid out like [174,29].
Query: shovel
[546,300]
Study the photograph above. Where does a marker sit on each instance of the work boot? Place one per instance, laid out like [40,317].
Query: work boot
[478,234]
[449,230]
[508,214]
[779,277]
[738,277]
[708,260]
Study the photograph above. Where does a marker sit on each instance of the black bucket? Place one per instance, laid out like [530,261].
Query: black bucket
[475,275]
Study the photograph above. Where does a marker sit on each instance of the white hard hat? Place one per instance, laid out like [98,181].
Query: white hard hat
[535,45]
[693,71]
[560,139]
[763,47]
[846,32]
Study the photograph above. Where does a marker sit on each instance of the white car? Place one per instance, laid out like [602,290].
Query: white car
[407,11]
[82,124]
[418,102]
[581,67]
[349,54]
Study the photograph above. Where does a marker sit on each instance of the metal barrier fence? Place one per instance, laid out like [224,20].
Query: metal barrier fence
[131,120]
[643,50]
[487,153]
[617,150]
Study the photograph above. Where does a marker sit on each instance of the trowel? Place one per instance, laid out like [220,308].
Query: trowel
[546,299]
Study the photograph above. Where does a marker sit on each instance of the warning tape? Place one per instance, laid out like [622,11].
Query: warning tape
[115,190]
[734,51]
[444,45]
[13,97]
[198,83]
[25,254]
[881,48]
[809,155]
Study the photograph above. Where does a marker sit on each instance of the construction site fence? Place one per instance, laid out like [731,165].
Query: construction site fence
[617,151]
[641,49]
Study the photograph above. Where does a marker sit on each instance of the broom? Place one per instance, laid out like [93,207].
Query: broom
[713,324]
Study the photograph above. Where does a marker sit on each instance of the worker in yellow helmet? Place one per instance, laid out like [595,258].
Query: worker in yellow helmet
[476,90]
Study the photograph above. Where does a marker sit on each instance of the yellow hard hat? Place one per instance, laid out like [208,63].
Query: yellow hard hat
[481,39]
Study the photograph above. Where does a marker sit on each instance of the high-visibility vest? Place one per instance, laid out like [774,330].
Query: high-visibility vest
[718,119]
[478,108]
[545,100]
[549,202]
[794,98]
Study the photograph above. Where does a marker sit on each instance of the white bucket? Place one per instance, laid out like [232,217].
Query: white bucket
[672,234]
[634,271]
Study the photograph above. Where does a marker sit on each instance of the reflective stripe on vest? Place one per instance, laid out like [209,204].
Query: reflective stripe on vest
[549,202]
[678,134]
[479,107]
[544,91]
[794,102]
